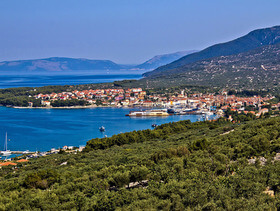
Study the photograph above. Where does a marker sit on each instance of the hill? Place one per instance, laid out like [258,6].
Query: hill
[254,39]
[255,69]
[164,59]
[177,166]
[58,64]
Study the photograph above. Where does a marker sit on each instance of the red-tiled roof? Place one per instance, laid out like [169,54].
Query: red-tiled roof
[22,160]
[7,164]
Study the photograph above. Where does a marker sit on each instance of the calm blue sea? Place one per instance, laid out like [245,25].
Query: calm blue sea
[43,129]
[31,80]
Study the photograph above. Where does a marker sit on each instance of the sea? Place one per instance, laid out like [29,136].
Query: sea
[43,129]
[16,79]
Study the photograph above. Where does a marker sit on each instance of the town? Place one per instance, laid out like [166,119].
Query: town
[137,97]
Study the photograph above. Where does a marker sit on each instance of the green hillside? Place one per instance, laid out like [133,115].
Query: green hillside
[253,40]
[255,69]
[178,166]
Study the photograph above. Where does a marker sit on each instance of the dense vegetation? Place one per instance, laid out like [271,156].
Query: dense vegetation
[253,40]
[256,69]
[72,102]
[177,166]
[248,93]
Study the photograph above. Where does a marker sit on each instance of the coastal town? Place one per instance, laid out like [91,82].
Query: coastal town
[180,102]
[137,97]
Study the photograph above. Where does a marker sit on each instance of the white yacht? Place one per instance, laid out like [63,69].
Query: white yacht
[148,113]
[6,152]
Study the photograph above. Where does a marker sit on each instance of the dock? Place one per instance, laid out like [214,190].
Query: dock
[21,152]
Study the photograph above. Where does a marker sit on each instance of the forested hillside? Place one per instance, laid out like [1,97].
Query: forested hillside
[253,40]
[255,69]
[177,166]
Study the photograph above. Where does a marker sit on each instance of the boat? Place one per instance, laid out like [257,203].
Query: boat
[170,111]
[26,152]
[188,109]
[154,125]
[148,113]
[204,112]
[191,110]
[182,113]
[6,152]
[209,113]
[102,129]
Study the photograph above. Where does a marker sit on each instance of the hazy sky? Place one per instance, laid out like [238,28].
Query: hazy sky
[125,31]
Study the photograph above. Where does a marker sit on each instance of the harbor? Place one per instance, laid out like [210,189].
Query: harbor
[7,155]
[205,112]
[28,130]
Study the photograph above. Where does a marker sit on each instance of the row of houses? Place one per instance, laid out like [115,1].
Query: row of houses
[106,96]
[137,97]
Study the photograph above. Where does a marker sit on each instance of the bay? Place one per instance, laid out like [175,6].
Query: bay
[43,129]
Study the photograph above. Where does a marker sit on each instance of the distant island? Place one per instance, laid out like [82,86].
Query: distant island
[61,64]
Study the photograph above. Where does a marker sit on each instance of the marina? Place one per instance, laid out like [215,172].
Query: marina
[7,153]
[172,111]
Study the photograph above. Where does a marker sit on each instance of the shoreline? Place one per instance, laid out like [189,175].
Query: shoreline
[73,107]
[64,107]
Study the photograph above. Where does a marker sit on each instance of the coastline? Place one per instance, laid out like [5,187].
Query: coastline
[75,107]
[63,107]
[57,129]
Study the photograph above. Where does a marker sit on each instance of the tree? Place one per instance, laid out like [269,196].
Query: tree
[139,173]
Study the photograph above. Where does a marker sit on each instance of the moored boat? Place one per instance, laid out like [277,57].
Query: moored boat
[148,113]
[154,125]
[6,152]
[102,129]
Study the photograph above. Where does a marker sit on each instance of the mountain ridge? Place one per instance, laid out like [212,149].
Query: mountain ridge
[250,41]
[258,68]
[58,64]
[163,59]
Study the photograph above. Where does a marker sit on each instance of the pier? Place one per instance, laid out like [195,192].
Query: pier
[20,152]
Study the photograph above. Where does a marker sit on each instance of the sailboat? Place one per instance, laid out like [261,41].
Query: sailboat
[6,152]
[102,129]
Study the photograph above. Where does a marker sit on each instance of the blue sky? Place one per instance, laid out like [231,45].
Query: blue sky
[125,31]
